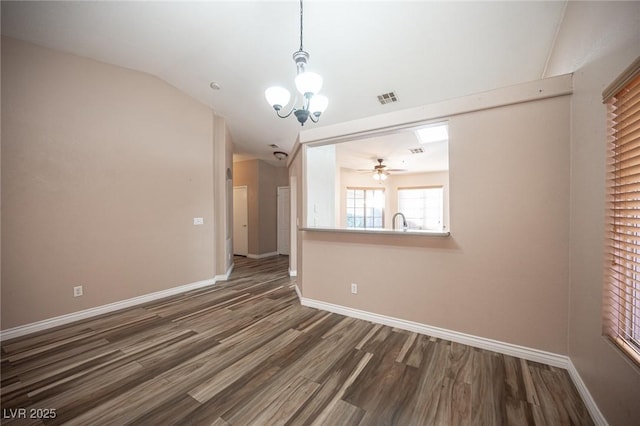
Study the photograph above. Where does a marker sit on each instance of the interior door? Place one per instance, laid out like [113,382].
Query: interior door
[240,221]
[283,220]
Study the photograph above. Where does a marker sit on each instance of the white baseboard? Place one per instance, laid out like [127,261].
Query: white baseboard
[23,330]
[596,414]
[225,277]
[297,289]
[262,256]
[543,357]
[530,354]
[293,273]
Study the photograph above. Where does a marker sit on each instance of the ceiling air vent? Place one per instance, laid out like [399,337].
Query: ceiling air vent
[387,98]
[416,150]
[273,145]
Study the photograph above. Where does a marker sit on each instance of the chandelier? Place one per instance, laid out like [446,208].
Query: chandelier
[308,84]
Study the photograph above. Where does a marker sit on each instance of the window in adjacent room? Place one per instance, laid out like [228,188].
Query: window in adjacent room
[622,287]
[422,207]
[365,208]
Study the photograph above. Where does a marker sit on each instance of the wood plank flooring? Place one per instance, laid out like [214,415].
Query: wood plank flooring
[245,352]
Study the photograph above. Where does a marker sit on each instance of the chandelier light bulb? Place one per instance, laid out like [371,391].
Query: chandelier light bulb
[277,97]
[318,104]
[308,82]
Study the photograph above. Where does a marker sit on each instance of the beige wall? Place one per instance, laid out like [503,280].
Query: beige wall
[228,172]
[503,273]
[262,181]
[598,41]
[103,171]
[270,178]
[223,195]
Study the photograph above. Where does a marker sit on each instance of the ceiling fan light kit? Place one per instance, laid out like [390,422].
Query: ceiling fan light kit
[381,171]
[308,84]
[380,175]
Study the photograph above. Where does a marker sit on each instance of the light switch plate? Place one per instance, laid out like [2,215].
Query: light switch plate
[198,221]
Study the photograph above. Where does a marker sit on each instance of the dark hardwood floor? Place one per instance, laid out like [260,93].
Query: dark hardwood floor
[245,352]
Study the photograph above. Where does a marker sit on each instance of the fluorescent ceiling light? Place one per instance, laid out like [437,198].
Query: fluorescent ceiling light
[435,133]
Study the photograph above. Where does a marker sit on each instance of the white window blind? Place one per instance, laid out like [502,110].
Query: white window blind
[422,207]
[622,287]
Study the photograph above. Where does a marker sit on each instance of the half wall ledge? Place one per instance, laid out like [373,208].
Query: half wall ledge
[378,231]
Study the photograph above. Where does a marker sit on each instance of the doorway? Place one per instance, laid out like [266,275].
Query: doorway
[240,221]
[284,214]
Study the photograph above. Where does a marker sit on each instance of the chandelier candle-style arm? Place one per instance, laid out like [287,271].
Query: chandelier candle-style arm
[308,84]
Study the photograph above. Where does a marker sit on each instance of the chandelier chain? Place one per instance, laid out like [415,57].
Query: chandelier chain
[301,49]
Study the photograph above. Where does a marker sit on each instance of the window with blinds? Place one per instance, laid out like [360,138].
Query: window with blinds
[422,207]
[622,287]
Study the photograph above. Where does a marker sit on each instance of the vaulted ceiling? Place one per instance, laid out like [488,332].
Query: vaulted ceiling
[423,51]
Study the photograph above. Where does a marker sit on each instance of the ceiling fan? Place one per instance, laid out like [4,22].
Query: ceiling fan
[381,170]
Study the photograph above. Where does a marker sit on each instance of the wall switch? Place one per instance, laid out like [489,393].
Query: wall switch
[198,221]
[354,288]
[77,291]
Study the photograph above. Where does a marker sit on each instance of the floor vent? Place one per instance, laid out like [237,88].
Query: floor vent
[387,98]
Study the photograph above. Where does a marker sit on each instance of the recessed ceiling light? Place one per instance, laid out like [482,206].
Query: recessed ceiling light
[215,85]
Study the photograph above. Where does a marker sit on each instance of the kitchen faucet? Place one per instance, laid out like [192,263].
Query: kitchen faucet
[404,221]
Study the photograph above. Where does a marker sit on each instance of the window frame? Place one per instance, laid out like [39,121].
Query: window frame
[365,189]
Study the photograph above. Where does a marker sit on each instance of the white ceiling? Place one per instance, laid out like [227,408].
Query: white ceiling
[424,51]
[394,149]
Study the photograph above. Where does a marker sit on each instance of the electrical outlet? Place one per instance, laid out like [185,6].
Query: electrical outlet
[77,291]
[198,221]
[354,288]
